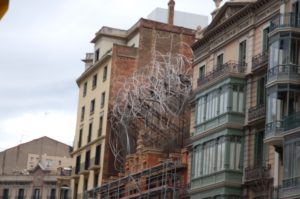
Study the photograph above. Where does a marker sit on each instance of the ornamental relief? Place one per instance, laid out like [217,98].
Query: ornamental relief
[229,33]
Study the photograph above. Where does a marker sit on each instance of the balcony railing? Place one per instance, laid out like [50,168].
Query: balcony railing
[260,60]
[257,112]
[289,188]
[288,20]
[257,173]
[274,128]
[222,70]
[288,123]
[291,183]
[292,121]
[284,72]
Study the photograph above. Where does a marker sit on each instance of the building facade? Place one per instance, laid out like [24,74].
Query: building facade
[117,55]
[32,169]
[235,151]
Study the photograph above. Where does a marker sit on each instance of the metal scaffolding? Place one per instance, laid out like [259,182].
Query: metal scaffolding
[164,181]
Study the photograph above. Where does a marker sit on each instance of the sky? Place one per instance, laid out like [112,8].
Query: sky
[42,43]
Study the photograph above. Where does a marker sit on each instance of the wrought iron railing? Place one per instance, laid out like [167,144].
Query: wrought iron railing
[288,20]
[257,172]
[260,60]
[224,69]
[256,112]
[288,71]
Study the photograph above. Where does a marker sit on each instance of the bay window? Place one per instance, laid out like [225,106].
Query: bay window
[220,101]
[210,157]
[291,159]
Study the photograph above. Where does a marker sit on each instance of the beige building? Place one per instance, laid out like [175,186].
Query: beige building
[117,54]
[245,123]
[31,170]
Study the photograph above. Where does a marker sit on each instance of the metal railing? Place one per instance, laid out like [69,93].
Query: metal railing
[274,128]
[256,112]
[287,20]
[292,121]
[257,172]
[260,60]
[291,183]
[224,69]
[287,123]
[286,71]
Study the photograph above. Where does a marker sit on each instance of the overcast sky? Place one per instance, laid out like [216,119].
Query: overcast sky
[41,45]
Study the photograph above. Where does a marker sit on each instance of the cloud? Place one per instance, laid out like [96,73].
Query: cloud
[42,43]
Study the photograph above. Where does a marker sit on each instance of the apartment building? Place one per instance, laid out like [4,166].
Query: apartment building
[117,55]
[243,135]
[32,170]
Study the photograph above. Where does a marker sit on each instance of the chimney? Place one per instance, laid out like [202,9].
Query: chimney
[171,5]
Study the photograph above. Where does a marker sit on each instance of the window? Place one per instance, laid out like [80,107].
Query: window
[36,194]
[21,194]
[5,193]
[94,82]
[98,154]
[212,104]
[102,99]
[96,177]
[104,73]
[202,72]
[90,132]
[259,149]
[265,39]
[87,160]
[97,55]
[80,138]
[209,157]
[223,100]
[260,95]
[100,126]
[235,153]
[219,60]
[52,193]
[92,106]
[84,89]
[242,52]
[85,184]
[82,113]
[77,167]
[291,159]
[238,98]
[201,110]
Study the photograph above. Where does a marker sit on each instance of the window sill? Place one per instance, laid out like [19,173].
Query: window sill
[218,172]
[219,116]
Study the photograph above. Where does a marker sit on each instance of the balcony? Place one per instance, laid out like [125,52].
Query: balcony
[273,133]
[228,69]
[289,189]
[275,130]
[287,72]
[260,60]
[291,121]
[257,173]
[256,113]
[284,21]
